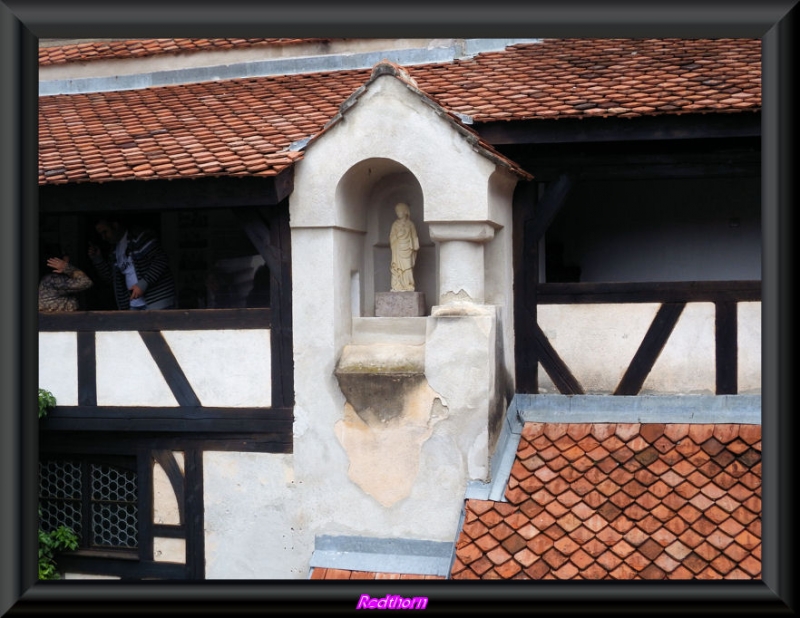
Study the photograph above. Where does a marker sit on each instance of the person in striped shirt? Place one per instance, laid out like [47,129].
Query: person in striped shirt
[137,266]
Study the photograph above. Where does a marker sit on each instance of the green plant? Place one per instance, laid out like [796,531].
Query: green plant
[62,538]
[46,402]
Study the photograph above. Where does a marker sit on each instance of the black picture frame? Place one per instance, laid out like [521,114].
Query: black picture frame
[22,22]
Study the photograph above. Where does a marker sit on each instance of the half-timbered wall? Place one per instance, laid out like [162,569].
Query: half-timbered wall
[170,396]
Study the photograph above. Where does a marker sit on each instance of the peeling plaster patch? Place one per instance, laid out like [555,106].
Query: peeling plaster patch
[384,448]
[455,297]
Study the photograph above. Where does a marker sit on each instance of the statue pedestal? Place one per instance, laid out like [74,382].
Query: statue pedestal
[399,304]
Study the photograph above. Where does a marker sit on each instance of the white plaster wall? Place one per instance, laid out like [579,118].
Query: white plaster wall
[597,342]
[226,368]
[165,502]
[169,550]
[126,373]
[253,511]
[687,364]
[499,261]
[58,366]
[749,361]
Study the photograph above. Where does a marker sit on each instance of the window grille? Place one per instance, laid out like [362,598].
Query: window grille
[96,499]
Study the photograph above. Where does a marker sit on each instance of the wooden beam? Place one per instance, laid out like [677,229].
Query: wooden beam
[170,368]
[171,319]
[87,369]
[259,234]
[184,420]
[195,521]
[559,373]
[654,340]
[727,348]
[526,276]
[163,195]
[548,206]
[648,292]
[582,130]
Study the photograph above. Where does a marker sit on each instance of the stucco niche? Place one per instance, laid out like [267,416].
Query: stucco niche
[366,197]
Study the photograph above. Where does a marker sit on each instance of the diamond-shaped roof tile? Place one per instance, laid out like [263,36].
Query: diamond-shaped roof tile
[658,525]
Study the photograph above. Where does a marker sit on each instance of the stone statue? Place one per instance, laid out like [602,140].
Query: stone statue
[405,245]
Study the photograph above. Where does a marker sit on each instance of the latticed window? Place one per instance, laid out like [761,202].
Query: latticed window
[97,498]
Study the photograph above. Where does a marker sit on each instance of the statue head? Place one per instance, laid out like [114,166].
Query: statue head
[402,210]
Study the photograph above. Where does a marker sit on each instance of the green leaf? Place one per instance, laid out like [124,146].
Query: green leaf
[47,401]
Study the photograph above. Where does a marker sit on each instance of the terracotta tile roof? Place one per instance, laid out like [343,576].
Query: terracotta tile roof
[622,501]
[244,126]
[141,48]
[600,77]
[238,127]
[323,573]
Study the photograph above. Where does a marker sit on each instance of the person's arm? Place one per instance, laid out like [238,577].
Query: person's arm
[75,281]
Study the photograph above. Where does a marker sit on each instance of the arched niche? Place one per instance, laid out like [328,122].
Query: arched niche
[365,200]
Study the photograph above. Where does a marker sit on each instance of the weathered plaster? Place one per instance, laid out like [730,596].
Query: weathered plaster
[383,437]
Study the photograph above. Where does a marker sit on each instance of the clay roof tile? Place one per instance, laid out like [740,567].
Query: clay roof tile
[615,524]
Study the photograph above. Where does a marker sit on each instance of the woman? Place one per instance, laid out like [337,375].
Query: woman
[59,289]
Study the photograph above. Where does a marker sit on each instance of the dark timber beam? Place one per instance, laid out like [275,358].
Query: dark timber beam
[179,194]
[526,277]
[727,349]
[556,368]
[259,234]
[549,205]
[653,343]
[583,130]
